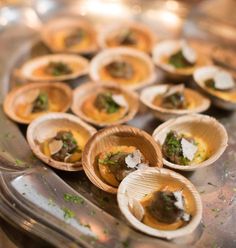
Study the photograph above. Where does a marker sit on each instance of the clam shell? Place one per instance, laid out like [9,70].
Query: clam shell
[81,66]
[65,23]
[118,27]
[165,49]
[148,95]
[206,72]
[27,92]
[82,92]
[203,126]
[108,55]
[46,127]
[139,183]
[117,135]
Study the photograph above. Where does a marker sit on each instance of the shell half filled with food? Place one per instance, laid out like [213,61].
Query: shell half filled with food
[125,67]
[160,202]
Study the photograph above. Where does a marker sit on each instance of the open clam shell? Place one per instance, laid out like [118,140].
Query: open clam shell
[47,126]
[85,92]
[56,31]
[140,183]
[18,103]
[162,52]
[221,99]
[207,128]
[145,37]
[143,69]
[197,102]
[36,69]
[117,136]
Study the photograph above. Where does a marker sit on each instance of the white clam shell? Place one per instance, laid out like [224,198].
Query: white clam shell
[207,72]
[149,93]
[109,55]
[139,183]
[46,127]
[205,127]
[28,68]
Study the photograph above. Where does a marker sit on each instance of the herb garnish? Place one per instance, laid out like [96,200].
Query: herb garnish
[105,102]
[120,69]
[73,198]
[75,37]
[58,69]
[68,214]
[178,60]
[40,103]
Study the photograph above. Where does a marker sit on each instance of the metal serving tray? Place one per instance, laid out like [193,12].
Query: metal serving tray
[31,194]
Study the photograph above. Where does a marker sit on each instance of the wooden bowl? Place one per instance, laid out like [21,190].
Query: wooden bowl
[140,183]
[19,97]
[47,126]
[205,127]
[53,32]
[82,93]
[79,67]
[164,49]
[222,99]
[199,103]
[142,60]
[106,37]
[117,135]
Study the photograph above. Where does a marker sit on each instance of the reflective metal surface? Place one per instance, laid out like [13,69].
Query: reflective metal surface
[32,195]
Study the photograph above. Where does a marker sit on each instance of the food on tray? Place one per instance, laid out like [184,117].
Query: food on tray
[63,147]
[173,98]
[132,35]
[118,161]
[54,67]
[123,66]
[71,35]
[105,106]
[183,149]
[163,209]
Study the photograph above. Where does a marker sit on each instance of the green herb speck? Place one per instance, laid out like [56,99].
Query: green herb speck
[68,214]
[73,198]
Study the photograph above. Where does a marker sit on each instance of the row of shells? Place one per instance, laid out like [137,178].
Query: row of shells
[46,125]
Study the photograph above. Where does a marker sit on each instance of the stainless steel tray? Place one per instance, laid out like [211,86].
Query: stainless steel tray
[31,195]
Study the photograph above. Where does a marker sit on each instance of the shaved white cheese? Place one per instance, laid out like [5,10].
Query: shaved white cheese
[186,217]
[174,89]
[188,52]
[133,159]
[223,80]
[179,200]
[120,100]
[142,166]
[189,149]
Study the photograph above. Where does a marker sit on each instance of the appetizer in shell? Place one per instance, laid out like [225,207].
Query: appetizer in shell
[191,142]
[128,34]
[169,101]
[160,202]
[104,105]
[58,67]
[70,35]
[59,139]
[218,84]
[177,58]
[114,152]
[25,103]
[126,67]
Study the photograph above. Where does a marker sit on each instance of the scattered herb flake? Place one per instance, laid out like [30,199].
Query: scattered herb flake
[92,212]
[68,214]
[215,210]
[73,198]
[126,244]
[19,162]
